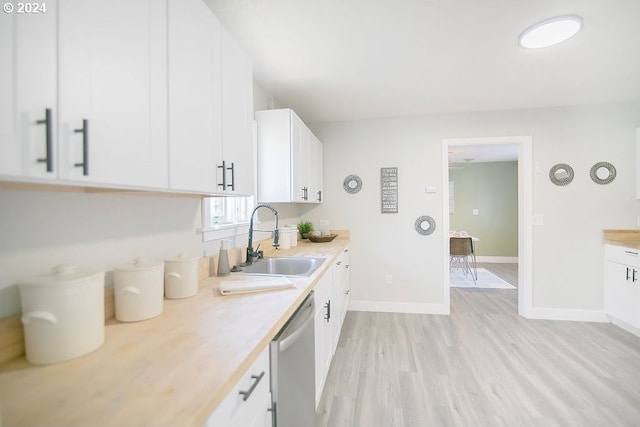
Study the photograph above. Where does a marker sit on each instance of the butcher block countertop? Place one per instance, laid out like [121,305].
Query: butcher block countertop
[172,370]
[627,238]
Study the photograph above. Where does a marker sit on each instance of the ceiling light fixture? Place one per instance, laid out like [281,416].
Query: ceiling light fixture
[550,31]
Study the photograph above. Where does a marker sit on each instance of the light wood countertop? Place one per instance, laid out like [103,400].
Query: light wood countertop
[628,238]
[172,370]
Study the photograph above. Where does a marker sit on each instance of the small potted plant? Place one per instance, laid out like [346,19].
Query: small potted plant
[305,227]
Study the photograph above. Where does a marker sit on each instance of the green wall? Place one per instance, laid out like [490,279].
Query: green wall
[492,188]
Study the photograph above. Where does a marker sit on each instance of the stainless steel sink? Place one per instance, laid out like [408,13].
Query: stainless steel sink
[284,266]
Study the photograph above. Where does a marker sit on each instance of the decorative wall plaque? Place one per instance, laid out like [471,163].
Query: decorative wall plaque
[602,173]
[425,225]
[561,174]
[352,184]
[389,190]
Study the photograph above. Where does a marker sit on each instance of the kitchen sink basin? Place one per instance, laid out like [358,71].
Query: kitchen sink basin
[284,266]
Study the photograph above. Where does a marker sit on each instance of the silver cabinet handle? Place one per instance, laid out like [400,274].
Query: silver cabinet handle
[84,130]
[247,394]
[233,177]
[48,159]
[224,175]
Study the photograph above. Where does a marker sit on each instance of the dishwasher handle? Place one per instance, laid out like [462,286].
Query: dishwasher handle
[285,343]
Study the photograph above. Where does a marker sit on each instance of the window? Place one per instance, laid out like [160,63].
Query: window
[221,211]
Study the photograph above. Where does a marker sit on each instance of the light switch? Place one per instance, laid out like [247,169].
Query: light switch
[476,211]
[430,189]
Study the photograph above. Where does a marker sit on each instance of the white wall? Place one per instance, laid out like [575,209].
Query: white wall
[42,229]
[567,249]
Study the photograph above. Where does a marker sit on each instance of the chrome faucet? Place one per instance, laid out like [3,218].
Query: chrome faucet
[251,253]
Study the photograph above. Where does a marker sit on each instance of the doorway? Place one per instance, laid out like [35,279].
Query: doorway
[525,197]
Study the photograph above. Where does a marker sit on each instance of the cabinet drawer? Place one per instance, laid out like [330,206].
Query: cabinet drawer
[234,410]
[623,255]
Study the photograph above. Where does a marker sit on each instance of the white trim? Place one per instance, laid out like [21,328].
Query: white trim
[398,307]
[525,209]
[569,314]
[624,325]
[211,234]
[498,259]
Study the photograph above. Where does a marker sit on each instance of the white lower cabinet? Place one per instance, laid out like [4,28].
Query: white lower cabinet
[332,301]
[248,403]
[622,286]
[346,283]
[323,331]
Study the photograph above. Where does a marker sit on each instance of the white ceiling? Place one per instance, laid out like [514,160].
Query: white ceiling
[333,60]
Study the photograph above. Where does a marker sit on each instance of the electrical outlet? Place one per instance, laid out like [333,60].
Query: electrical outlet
[389,279]
[538,219]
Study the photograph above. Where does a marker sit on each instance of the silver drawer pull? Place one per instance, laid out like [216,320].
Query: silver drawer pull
[631,253]
[246,394]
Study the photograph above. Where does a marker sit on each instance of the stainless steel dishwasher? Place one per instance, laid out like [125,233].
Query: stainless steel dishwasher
[293,370]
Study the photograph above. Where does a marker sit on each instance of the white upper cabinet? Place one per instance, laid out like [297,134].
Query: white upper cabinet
[27,91]
[113,91]
[316,171]
[195,117]
[210,104]
[289,159]
[237,118]
[141,94]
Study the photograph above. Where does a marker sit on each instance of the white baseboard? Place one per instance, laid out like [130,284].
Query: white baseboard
[398,307]
[498,259]
[568,314]
[624,325]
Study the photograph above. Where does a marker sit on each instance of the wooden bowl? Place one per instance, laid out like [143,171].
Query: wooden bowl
[322,239]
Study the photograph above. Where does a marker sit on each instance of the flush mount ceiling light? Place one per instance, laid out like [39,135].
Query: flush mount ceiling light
[550,31]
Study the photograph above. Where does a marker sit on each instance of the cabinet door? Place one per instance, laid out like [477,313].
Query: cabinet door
[28,82]
[345,282]
[195,117]
[274,155]
[299,155]
[234,410]
[237,117]
[264,417]
[112,77]
[316,170]
[622,292]
[337,303]
[322,330]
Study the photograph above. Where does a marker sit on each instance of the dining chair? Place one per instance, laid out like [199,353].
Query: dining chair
[462,255]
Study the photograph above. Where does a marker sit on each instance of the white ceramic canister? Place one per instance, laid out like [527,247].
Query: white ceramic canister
[139,290]
[62,314]
[294,235]
[284,238]
[181,277]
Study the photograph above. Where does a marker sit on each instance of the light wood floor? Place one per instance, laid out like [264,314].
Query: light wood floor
[507,272]
[481,366]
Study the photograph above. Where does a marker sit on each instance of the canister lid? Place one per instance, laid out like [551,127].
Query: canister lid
[182,258]
[139,264]
[63,275]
